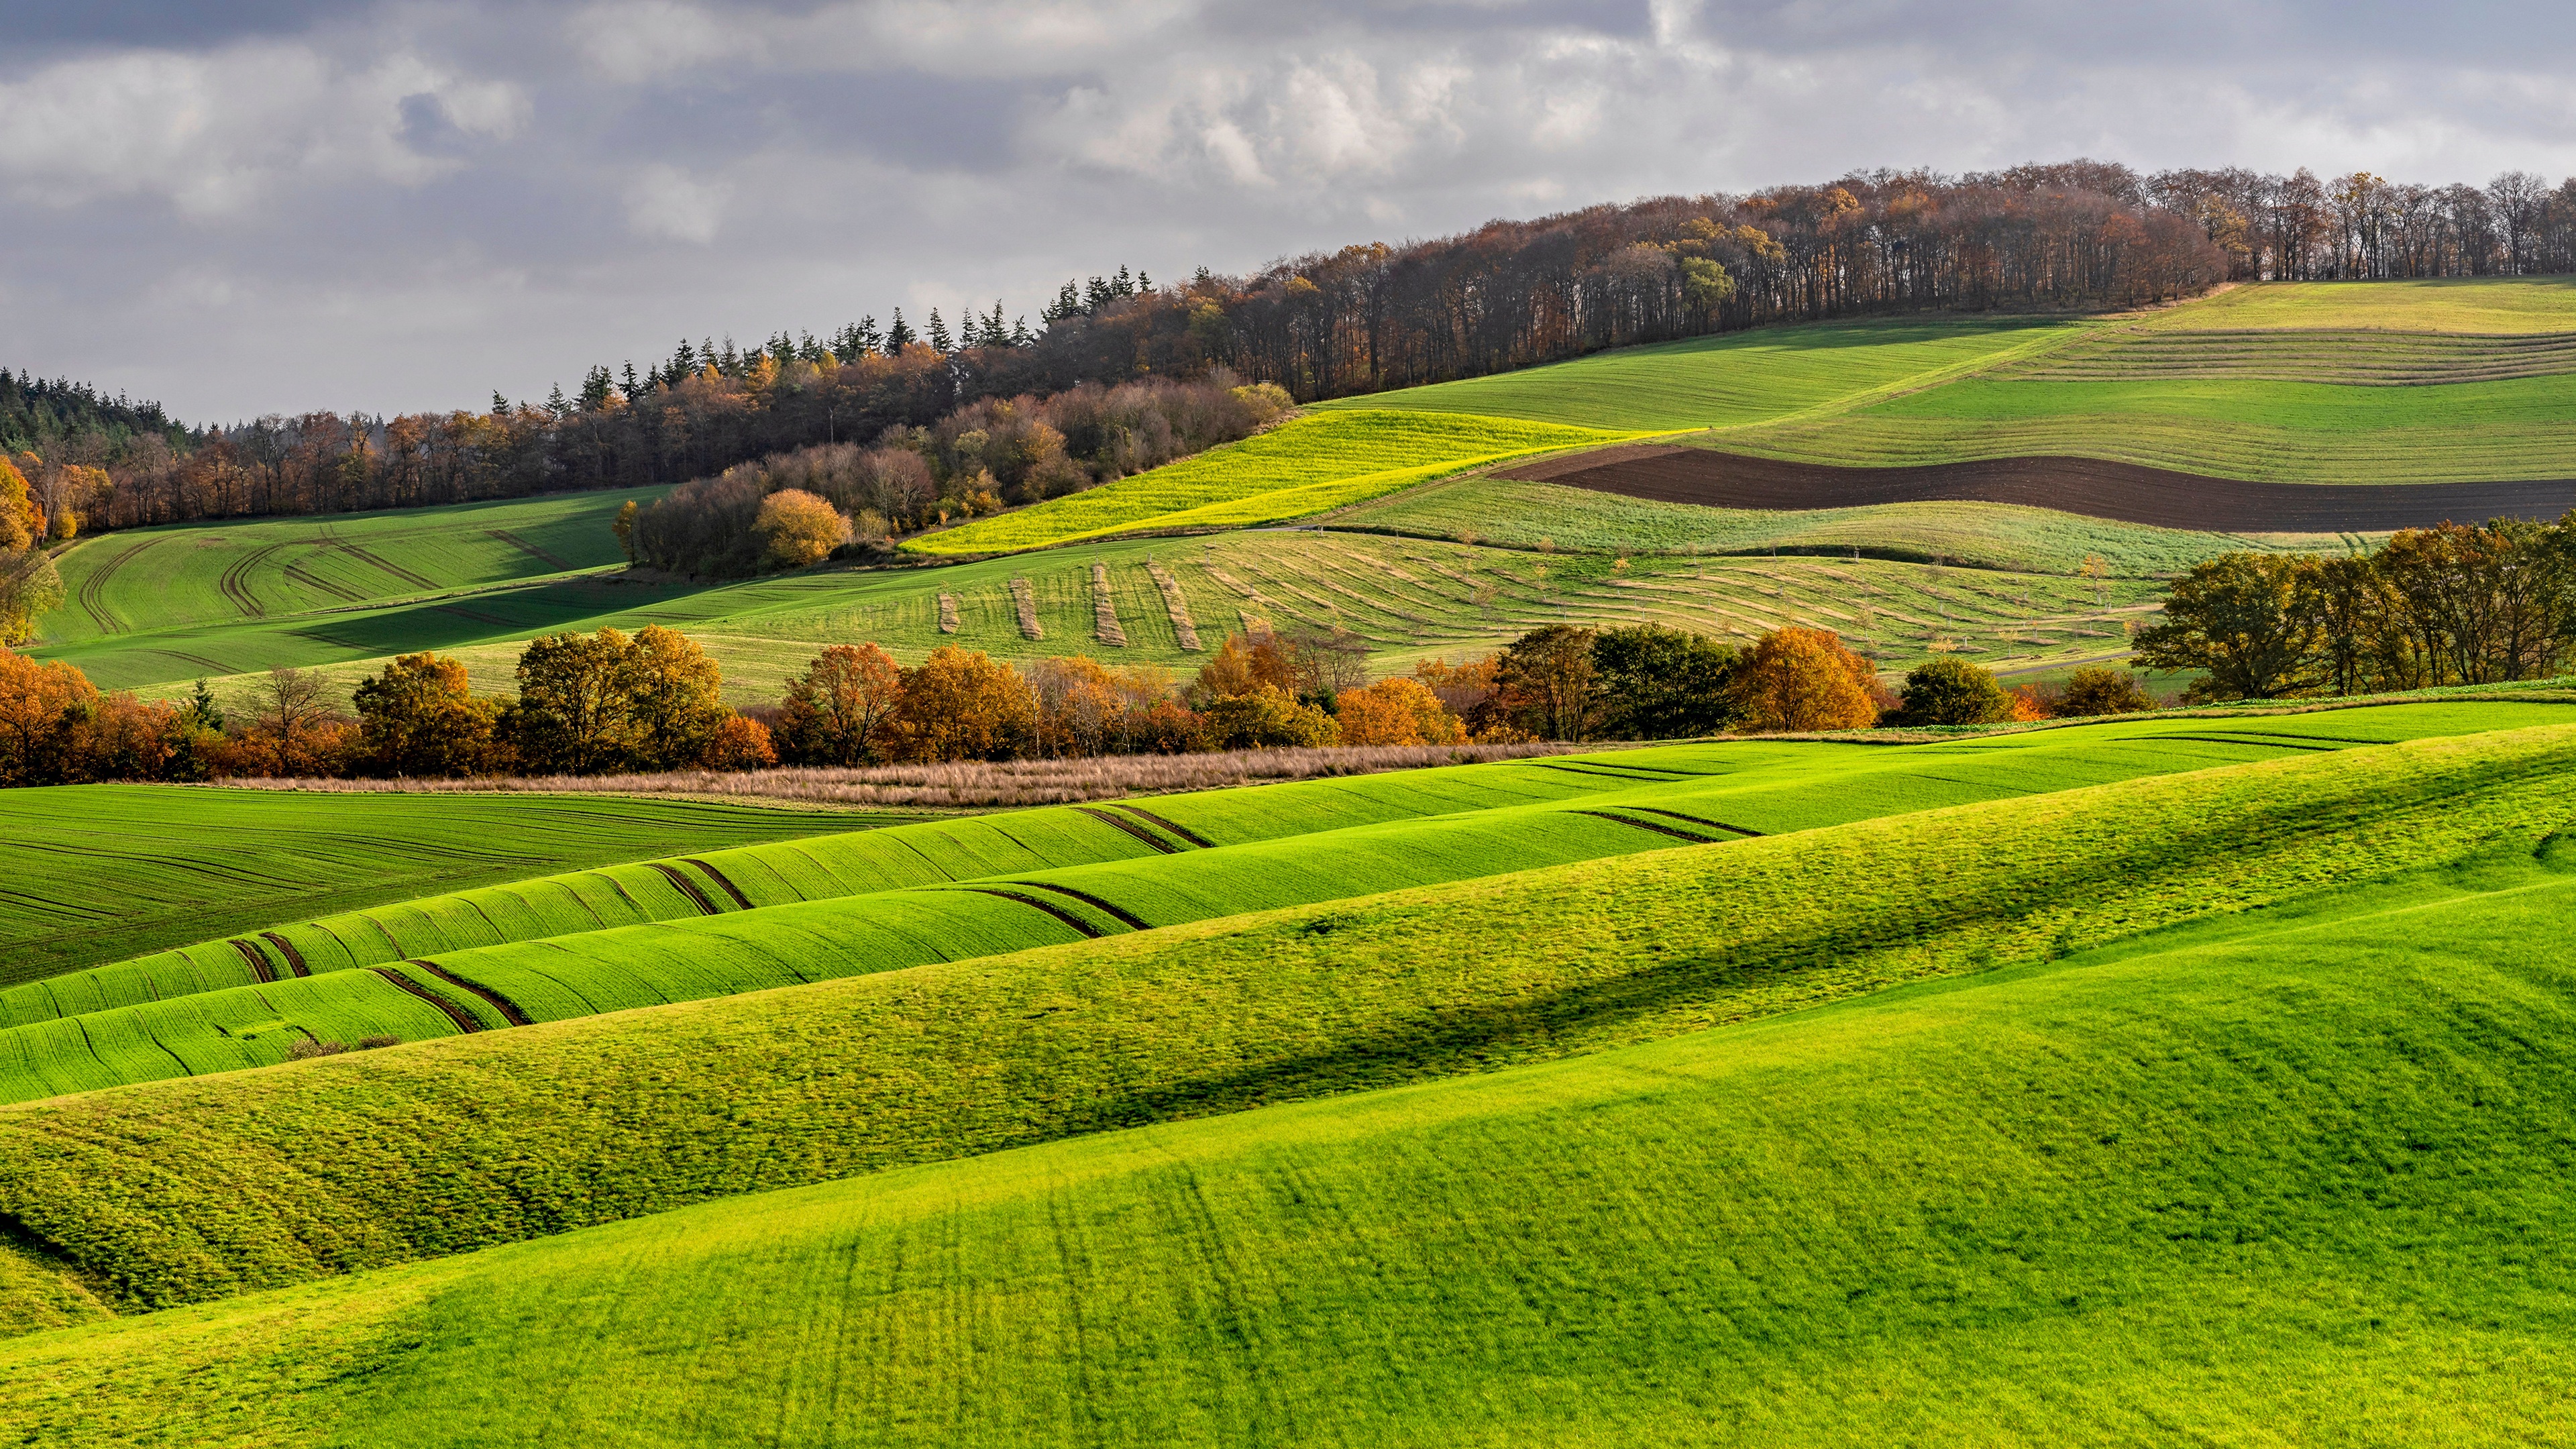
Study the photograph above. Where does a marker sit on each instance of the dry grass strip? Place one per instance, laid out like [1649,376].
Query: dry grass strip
[1025,599]
[1175,603]
[1104,609]
[947,613]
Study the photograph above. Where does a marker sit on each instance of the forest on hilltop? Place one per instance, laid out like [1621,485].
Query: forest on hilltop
[2082,235]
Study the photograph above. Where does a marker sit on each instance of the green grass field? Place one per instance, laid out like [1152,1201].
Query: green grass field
[1306,465]
[99,873]
[2082,1184]
[2290,382]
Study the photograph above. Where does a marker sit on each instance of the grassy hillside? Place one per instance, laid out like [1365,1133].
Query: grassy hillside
[2294,382]
[98,873]
[2279,1181]
[175,1191]
[1304,466]
[1740,378]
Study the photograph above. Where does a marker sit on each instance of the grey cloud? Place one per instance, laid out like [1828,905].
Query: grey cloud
[411,206]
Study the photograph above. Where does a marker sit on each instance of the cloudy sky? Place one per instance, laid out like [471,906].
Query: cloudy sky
[275,205]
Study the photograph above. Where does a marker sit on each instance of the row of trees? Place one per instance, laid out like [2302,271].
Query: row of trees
[2457,604]
[2366,227]
[790,509]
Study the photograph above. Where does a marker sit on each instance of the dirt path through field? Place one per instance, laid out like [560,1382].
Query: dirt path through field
[2126,492]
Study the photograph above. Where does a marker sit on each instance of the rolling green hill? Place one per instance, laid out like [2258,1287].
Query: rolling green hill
[2083,1184]
[98,873]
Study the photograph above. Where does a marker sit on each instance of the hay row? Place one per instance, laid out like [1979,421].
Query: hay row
[1025,600]
[1104,609]
[1175,603]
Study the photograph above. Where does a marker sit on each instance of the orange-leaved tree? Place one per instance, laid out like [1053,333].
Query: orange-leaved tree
[960,705]
[419,717]
[1396,712]
[797,528]
[836,711]
[1804,679]
[42,710]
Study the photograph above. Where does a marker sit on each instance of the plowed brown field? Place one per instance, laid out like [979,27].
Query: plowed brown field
[2126,492]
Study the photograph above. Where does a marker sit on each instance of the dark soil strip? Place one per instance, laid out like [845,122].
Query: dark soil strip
[1060,913]
[717,876]
[687,887]
[1132,828]
[464,1019]
[1600,773]
[2243,740]
[1693,819]
[235,585]
[1648,825]
[2127,492]
[258,959]
[1088,899]
[1183,831]
[287,949]
[509,1009]
[530,549]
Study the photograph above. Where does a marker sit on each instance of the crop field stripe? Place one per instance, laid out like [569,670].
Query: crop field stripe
[258,959]
[530,549]
[1693,819]
[93,590]
[509,1009]
[286,948]
[1123,915]
[464,1019]
[2272,742]
[687,887]
[718,877]
[1183,831]
[1088,930]
[1132,828]
[1648,825]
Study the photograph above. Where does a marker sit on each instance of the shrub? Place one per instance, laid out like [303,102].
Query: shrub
[373,1043]
[1396,712]
[2095,690]
[797,528]
[309,1048]
[1952,691]
[1267,718]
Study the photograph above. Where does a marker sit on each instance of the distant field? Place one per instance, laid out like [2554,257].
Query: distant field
[1305,466]
[1518,514]
[1739,378]
[2213,1124]
[2494,305]
[97,873]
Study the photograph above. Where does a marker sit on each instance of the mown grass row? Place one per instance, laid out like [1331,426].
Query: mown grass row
[93,874]
[2206,1185]
[180,1191]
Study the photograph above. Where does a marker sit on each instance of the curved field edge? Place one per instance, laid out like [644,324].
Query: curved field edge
[182,1191]
[2120,1182]
[1308,465]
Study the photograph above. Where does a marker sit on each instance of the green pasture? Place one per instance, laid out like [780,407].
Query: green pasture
[1514,514]
[2475,305]
[2294,1180]
[98,873]
[1739,378]
[155,580]
[1304,466]
[171,1192]
[809,910]
[1406,598]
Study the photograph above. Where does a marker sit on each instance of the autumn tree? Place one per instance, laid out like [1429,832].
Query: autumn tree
[796,528]
[1245,663]
[960,705]
[674,696]
[623,525]
[42,709]
[2094,690]
[2239,618]
[1078,705]
[1266,718]
[419,717]
[1804,679]
[1396,711]
[293,705]
[836,711]
[1949,690]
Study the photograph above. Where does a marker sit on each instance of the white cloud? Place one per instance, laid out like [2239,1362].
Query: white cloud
[634,41]
[664,201]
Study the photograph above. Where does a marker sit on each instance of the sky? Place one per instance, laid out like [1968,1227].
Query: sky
[283,205]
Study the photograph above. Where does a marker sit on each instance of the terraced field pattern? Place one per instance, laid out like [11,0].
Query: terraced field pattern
[2095,1083]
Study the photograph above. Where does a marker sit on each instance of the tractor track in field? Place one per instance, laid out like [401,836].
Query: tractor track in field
[553,561]
[509,1009]
[235,582]
[93,590]
[1089,931]
[2093,487]
[464,1019]
[384,565]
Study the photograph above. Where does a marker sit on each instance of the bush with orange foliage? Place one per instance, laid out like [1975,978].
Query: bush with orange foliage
[1804,679]
[960,705]
[740,743]
[1397,712]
